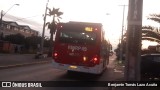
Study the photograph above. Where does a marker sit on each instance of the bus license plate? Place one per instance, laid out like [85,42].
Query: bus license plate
[73,67]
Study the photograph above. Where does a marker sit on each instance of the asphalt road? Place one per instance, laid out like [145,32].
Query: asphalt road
[45,72]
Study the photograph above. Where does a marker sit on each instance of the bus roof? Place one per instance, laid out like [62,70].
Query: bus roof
[83,23]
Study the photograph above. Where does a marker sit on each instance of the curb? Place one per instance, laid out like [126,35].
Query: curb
[23,64]
[1,54]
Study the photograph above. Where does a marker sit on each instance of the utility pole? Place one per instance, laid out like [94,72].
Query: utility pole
[134,36]
[42,40]
[121,45]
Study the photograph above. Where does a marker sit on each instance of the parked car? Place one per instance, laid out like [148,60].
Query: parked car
[150,66]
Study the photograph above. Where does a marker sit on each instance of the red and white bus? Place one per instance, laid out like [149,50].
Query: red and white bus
[81,47]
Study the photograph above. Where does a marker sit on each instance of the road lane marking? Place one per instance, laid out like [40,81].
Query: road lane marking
[119,71]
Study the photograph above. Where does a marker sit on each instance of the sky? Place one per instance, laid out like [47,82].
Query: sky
[107,12]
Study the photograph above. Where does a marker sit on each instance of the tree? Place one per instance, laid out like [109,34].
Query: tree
[117,50]
[155,17]
[46,43]
[1,36]
[32,42]
[149,35]
[148,27]
[15,38]
[53,25]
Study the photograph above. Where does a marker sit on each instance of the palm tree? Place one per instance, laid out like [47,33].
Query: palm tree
[53,25]
[148,27]
[155,17]
[149,35]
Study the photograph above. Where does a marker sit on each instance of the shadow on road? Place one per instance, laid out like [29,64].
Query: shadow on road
[77,76]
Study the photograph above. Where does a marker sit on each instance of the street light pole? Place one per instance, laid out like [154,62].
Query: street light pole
[10,8]
[121,45]
[2,15]
[42,40]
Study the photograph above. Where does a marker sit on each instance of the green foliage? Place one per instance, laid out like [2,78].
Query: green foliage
[53,25]
[15,38]
[148,27]
[32,42]
[29,43]
[146,35]
[46,43]
[155,17]
[56,15]
[55,12]
[149,33]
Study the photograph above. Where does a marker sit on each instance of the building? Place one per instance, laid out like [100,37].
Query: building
[9,27]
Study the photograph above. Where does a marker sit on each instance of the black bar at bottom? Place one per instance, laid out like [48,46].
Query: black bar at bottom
[80,84]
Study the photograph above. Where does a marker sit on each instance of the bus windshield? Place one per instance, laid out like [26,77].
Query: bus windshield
[80,37]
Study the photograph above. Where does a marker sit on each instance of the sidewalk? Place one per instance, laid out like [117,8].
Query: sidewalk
[118,73]
[10,60]
[117,70]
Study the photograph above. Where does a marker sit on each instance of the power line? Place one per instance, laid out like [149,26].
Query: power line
[26,18]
